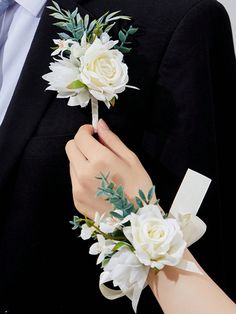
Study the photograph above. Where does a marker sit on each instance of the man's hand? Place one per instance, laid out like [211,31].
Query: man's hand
[90,157]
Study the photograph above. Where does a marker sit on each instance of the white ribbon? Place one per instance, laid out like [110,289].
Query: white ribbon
[187,203]
[94,104]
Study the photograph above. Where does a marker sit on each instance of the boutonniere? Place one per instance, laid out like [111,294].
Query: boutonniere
[88,65]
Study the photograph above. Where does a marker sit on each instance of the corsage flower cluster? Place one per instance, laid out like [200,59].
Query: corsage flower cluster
[88,65]
[135,238]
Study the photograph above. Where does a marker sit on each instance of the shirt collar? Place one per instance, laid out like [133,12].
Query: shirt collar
[33,6]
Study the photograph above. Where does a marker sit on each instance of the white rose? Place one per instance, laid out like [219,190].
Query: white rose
[157,241]
[103,70]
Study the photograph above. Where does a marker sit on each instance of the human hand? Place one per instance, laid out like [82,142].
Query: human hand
[89,157]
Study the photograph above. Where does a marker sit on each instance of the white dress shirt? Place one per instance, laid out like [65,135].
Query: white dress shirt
[17,28]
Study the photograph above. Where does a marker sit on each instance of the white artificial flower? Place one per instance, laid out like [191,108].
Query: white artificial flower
[63,72]
[103,70]
[110,223]
[86,231]
[126,272]
[157,241]
[103,247]
[62,45]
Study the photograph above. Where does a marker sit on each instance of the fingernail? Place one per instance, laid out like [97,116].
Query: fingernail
[103,124]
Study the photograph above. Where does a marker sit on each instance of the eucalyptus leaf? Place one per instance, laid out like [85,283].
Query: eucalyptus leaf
[86,21]
[124,49]
[132,30]
[58,16]
[56,5]
[120,190]
[142,196]
[64,36]
[139,202]
[122,36]
[74,13]
[116,215]
[151,193]
[60,24]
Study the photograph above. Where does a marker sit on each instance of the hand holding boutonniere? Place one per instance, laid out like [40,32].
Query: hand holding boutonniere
[88,65]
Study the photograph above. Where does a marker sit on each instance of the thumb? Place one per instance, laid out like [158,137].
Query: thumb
[112,141]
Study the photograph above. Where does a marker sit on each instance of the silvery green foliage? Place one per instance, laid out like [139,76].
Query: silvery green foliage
[122,207]
[74,26]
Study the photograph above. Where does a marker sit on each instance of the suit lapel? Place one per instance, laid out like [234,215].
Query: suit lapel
[29,101]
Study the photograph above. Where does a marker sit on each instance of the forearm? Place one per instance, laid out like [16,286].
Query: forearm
[180,292]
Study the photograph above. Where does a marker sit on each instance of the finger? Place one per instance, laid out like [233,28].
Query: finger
[88,145]
[74,154]
[112,141]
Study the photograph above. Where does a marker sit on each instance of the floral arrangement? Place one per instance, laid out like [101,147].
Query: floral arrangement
[135,238]
[88,65]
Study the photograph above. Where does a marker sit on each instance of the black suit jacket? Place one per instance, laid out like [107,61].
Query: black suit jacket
[183,61]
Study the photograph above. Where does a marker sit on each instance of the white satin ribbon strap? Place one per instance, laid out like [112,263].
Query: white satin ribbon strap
[189,266]
[190,194]
[94,104]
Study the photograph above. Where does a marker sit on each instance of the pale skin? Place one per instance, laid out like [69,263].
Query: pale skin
[177,291]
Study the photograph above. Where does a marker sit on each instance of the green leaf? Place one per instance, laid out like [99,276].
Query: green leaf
[75,85]
[122,36]
[143,197]
[79,34]
[86,21]
[124,49]
[91,26]
[116,215]
[60,24]
[58,16]
[139,202]
[74,13]
[78,18]
[111,185]
[105,262]
[120,17]
[151,193]
[56,5]
[52,8]
[132,30]
[119,245]
[120,191]
[99,193]
[111,15]
[63,36]
[109,27]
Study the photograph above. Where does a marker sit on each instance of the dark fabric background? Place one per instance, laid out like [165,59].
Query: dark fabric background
[184,64]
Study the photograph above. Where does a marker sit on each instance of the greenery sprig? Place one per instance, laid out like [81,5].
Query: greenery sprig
[75,26]
[116,196]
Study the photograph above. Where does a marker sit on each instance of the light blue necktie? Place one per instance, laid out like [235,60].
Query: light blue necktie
[4,4]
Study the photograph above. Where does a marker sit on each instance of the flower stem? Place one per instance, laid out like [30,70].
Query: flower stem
[94,103]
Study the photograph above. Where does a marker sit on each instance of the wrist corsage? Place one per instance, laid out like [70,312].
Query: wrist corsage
[135,238]
[88,65]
